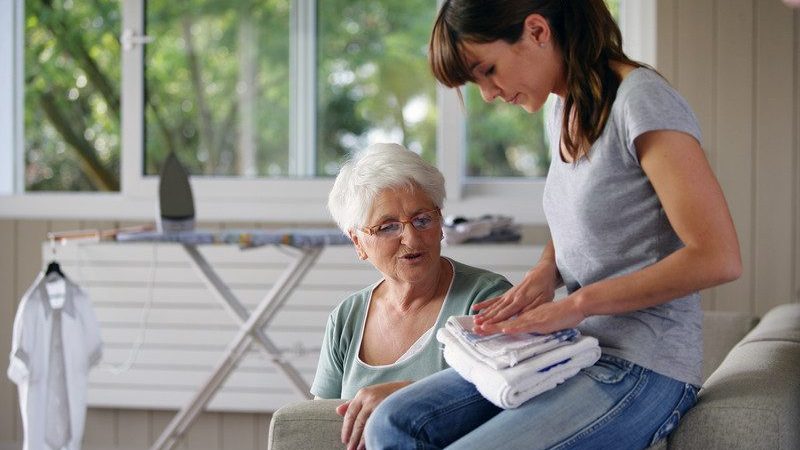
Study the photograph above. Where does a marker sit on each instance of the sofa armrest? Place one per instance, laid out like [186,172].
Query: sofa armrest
[753,399]
[307,424]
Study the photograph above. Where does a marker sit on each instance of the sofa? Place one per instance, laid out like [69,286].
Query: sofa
[750,399]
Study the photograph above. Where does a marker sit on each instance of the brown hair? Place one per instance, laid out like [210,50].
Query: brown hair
[583,30]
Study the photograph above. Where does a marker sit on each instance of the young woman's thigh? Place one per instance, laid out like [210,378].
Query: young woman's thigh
[613,404]
[430,413]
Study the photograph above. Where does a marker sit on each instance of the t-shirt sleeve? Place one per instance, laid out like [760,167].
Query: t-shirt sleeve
[490,286]
[655,105]
[22,343]
[330,369]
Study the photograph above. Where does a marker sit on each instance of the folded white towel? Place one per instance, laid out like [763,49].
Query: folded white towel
[513,386]
[506,350]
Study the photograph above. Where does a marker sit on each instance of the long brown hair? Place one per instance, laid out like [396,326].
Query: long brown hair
[584,31]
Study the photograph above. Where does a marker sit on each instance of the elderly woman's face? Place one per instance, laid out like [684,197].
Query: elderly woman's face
[414,254]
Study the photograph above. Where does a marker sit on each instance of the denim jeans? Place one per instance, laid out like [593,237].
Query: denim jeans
[613,404]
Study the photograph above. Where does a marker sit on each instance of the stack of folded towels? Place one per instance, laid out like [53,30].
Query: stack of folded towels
[508,370]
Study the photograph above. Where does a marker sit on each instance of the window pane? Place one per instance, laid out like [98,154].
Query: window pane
[374,84]
[72,106]
[217,86]
[504,140]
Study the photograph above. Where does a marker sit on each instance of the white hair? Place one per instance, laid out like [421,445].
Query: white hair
[370,171]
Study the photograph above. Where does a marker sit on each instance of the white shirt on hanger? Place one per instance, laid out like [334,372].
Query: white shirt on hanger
[30,358]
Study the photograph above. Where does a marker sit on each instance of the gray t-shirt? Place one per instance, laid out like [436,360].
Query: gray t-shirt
[341,373]
[606,220]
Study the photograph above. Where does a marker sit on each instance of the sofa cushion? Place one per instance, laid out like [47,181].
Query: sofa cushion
[781,323]
[752,401]
[311,424]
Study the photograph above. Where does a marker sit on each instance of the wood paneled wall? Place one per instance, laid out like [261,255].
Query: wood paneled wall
[738,64]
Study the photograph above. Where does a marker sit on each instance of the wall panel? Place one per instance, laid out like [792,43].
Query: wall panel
[733,109]
[796,225]
[9,409]
[774,162]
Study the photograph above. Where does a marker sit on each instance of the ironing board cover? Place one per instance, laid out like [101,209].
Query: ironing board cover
[295,237]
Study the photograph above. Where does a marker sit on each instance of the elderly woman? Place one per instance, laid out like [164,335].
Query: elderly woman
[380,339]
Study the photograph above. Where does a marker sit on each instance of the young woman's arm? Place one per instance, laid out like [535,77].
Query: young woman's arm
[695,206]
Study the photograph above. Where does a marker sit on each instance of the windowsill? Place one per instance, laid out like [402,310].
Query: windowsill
[525,208]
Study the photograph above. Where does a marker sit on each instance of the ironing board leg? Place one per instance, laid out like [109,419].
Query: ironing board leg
[250,329]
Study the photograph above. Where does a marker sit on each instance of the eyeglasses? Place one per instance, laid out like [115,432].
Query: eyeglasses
[424,221]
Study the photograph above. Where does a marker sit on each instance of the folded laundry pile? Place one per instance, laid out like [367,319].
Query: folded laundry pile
[487,228]
[509,370]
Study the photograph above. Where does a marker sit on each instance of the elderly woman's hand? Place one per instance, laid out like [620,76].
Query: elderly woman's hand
[357,411]
[538,287]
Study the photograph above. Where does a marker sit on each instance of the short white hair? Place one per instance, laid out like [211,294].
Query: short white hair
[374,169]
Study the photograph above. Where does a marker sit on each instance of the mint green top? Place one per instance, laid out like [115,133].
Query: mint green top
[341,373]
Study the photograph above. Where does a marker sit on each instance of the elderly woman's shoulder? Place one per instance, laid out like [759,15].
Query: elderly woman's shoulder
[351,305]
[476,273]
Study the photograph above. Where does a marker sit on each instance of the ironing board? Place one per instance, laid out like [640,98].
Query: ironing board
[307,245]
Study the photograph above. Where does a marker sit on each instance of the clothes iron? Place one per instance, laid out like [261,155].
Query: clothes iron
[176,204]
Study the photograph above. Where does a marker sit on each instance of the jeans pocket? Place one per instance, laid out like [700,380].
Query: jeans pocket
[688,399]
[609,369]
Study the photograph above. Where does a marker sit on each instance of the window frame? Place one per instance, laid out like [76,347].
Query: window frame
[10,164]
[272,200]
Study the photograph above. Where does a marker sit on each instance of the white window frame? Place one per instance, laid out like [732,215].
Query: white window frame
[275,200]
[10,164]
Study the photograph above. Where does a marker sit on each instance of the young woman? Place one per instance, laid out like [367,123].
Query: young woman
[638,221]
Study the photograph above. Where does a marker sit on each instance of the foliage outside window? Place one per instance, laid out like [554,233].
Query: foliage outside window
[373,78]
[72,95]
[217,86]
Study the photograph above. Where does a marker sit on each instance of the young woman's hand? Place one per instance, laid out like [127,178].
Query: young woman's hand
[546,318]
[537,288]
[357,411]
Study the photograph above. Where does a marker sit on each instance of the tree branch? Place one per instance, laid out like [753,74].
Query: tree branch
[72,41]
[98,175]
[206,119]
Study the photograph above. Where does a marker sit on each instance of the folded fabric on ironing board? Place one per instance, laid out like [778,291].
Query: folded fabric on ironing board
[511,387]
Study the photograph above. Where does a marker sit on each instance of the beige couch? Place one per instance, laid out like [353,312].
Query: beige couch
[750,399]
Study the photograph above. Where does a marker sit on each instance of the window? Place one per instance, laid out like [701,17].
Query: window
[261,100]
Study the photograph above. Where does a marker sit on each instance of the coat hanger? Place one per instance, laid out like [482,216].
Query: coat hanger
[53,266]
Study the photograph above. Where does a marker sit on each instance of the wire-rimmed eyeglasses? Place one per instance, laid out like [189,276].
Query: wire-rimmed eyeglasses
[424,221]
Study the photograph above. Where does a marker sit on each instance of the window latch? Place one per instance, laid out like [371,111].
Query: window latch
[129,38]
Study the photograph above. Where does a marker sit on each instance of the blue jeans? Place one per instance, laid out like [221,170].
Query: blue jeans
[614,404]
